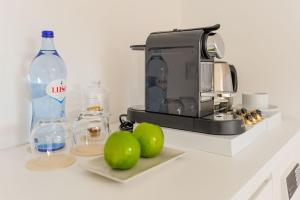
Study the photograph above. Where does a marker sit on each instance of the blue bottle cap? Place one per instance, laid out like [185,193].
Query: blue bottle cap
[47,34]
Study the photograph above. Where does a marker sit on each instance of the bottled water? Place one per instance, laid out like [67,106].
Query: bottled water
[48,85]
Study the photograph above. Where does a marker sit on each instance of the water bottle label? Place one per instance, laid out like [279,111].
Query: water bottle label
[56,89]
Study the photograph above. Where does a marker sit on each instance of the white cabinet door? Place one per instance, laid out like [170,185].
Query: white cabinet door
[265,191]
[286,172]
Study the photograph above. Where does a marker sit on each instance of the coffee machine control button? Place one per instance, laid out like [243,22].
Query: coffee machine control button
[215,46]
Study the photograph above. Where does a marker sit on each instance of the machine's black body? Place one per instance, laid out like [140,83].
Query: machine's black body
[177,72]
[179,83]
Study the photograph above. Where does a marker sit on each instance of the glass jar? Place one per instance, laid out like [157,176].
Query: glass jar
[95,98]
[90,132]
[49,145]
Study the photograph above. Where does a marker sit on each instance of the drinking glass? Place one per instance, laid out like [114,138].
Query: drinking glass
[49,145]
[90,131]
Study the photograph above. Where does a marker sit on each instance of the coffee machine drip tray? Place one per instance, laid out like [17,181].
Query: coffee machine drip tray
[216,124]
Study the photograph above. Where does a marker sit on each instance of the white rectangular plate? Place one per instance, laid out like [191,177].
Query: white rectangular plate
[100,167]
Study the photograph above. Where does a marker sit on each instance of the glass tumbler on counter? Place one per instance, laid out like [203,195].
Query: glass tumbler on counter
[49,146]
[90,131]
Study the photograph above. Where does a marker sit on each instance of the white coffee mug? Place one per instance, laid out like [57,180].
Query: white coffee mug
[259,100]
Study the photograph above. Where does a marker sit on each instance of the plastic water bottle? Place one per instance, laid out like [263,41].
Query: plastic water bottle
[48,86]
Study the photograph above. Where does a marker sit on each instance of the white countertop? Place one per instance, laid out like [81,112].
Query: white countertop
[197,175]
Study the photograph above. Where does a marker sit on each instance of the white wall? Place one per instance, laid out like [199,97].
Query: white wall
[262,38]
[92,36]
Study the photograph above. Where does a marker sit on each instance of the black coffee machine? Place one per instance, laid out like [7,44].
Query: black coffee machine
[179,82]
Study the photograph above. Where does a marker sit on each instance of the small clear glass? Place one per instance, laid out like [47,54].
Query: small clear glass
[49,145]
[90,131]
[95,98]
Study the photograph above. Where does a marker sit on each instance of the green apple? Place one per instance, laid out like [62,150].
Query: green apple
[151,139]
[122,150]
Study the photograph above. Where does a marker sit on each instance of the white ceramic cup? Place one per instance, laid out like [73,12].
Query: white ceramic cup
[259,100]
